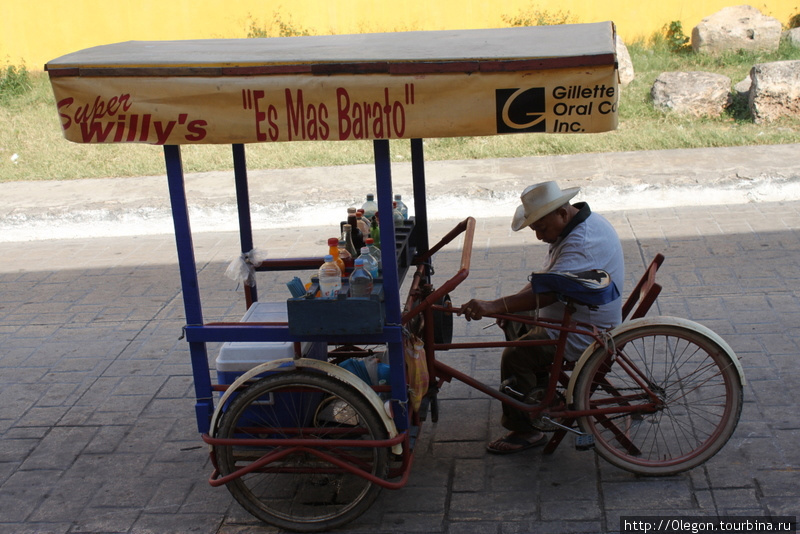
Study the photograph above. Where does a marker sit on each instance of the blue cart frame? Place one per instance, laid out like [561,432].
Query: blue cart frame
[198,333]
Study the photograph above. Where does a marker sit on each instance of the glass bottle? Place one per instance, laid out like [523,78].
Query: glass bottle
[347,235]
[356,235]
[345,255]
[375,231]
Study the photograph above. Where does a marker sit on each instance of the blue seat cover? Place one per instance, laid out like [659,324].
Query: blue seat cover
[591,288]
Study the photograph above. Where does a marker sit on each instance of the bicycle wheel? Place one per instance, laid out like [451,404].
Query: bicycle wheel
[297,489]
[697,385]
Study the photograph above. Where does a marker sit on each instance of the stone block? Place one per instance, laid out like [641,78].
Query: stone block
[775,92]
[736,28]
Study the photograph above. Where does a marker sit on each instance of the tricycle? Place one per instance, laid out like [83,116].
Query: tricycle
[301,442]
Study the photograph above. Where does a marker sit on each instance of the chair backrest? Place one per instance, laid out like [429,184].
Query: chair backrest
[645,292]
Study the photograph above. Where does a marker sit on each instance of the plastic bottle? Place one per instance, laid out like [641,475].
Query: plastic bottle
[363,225]
[330,279]
[370,207]
[347,235]
[370,262]
[333,250]
[345,255]
[384,374]
[360,281]
[401,206]
[399,221]
[375,231]
[374,251]
[384,378]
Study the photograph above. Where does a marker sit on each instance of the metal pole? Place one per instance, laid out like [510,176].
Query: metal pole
[391,284]
[204,407]
[243,205]
[420,202]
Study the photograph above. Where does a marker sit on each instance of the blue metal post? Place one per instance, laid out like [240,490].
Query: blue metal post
[243,204]
[420,203]
[391,283]
[204,407]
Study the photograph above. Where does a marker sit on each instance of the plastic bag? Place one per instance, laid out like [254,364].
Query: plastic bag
[243,268]
[416,370]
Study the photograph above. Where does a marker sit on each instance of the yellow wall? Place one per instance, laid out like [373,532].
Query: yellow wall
[34,32]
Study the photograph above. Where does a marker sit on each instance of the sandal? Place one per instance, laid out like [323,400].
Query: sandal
[515,442]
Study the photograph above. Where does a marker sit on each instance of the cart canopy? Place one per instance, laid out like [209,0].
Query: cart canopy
[555,79]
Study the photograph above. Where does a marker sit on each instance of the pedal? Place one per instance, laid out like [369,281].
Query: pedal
[506,389]
[584,442]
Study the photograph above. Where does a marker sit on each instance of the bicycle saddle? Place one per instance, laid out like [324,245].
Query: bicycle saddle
[590,288]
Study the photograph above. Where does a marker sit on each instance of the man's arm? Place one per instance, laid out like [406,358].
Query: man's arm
[525,300]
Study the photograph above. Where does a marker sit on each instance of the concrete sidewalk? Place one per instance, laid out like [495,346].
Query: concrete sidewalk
[455,189]
[96,400]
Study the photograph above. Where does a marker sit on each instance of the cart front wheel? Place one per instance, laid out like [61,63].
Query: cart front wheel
[699,396]
[302,487]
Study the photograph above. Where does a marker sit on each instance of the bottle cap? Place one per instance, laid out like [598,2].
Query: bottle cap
[328,258]
[398,197]
[333,241]
[370,196]
[369,241]
[351,211]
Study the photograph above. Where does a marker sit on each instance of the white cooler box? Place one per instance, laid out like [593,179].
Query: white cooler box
[238,357]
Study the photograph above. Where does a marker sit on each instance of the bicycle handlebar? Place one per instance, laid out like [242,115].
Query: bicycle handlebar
[467,226]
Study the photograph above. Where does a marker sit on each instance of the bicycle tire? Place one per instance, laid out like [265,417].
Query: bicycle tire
[694,377]
[302,492]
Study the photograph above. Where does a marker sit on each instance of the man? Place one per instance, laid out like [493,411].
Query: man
[579,241]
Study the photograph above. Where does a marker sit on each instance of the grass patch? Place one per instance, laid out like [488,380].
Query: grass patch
[29,129]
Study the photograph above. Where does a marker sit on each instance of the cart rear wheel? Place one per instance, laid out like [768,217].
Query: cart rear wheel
[297,489]
[698,386]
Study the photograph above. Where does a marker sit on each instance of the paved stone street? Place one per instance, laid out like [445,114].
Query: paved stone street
[97,406]
[97,419]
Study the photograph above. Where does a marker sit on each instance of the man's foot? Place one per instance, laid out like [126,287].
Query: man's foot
[516,442]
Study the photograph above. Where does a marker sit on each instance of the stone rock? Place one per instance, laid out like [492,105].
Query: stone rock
[744,85]
[626,74]
[792,36]
[699,94]
[736,28]
[775,91]
[740,98]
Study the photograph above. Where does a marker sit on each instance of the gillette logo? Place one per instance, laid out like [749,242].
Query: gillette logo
[573,107]
[520,110]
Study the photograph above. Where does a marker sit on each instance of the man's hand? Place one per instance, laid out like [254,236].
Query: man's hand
[475,309]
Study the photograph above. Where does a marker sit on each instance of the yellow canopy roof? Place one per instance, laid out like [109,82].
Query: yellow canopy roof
[389,85]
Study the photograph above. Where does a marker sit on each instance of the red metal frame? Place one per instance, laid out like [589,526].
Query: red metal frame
[422,302]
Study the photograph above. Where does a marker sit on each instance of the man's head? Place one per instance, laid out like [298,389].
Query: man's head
[545,209]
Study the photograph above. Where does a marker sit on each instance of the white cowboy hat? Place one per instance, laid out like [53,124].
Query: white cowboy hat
[539,200]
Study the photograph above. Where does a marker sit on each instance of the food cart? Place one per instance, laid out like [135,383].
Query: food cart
[372,87]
